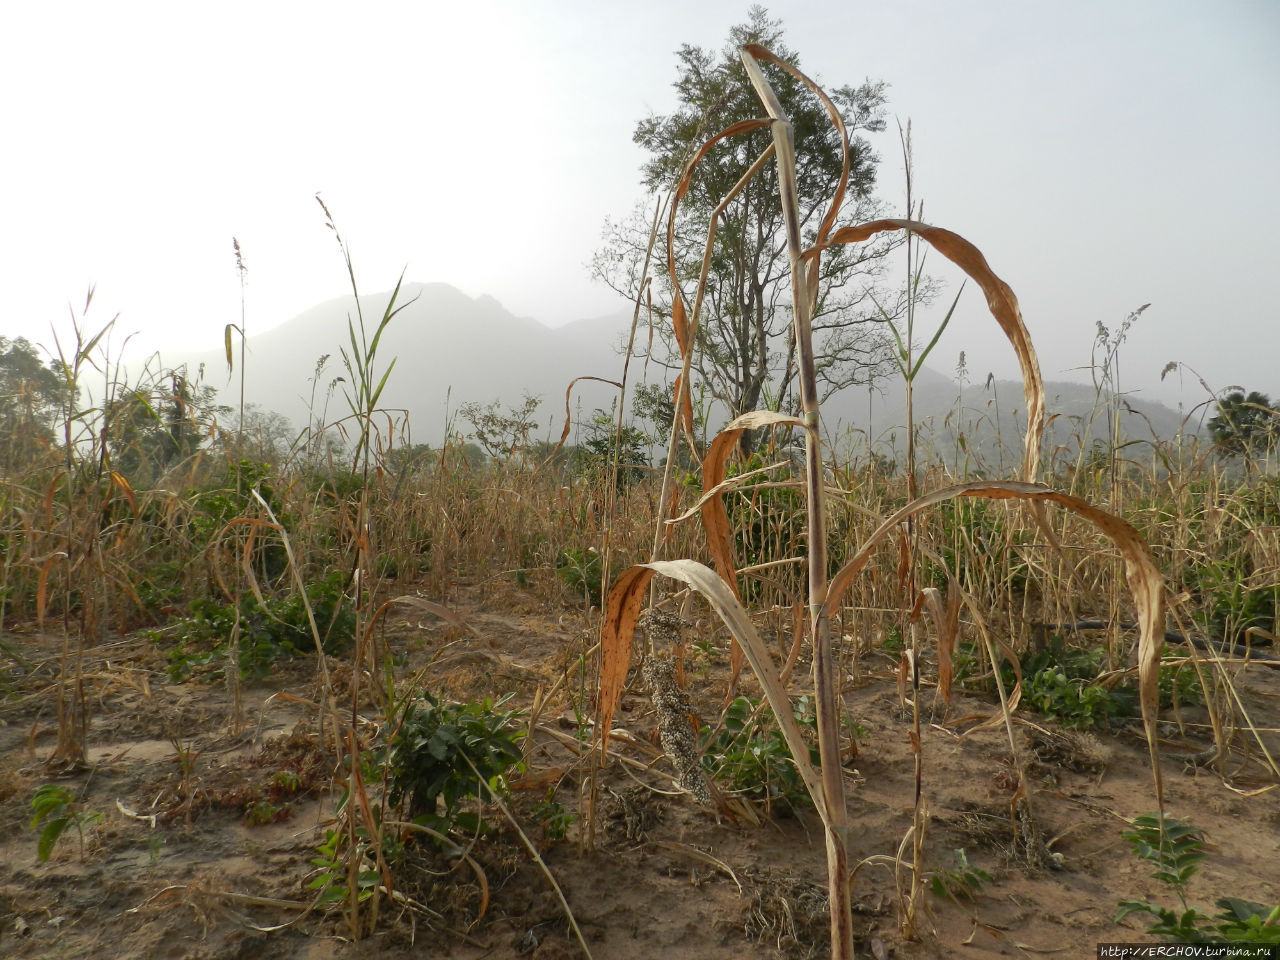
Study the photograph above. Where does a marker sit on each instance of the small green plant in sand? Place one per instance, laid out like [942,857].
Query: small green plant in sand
[54,808]
[332,877]
[553,818]
[963,881]
[1177,852]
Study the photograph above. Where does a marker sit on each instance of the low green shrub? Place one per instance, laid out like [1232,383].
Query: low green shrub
[443,755]
[750,755]
[1073,701]
[1061,683]
[583,572]
[280,628]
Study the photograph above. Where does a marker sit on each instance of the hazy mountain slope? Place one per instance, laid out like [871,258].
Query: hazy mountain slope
[992,419]
[451,349]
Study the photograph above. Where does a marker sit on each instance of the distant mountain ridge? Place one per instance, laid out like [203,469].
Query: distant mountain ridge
[991,419]
[449,349]
[452,349]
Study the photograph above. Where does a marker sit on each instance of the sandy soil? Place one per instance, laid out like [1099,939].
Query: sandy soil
[662,875]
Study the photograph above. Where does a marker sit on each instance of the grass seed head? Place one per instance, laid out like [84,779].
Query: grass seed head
[674,726]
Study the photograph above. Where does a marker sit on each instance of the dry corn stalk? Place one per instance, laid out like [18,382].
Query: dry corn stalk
[826,785]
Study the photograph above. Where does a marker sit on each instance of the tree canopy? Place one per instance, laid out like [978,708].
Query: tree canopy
[31,395]
[152,427]
[745,351]
[1245,425]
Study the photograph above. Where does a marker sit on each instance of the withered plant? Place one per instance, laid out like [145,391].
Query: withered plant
[720,587]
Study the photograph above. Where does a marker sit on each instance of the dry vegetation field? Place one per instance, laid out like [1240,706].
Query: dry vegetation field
[297,705]
[201,812]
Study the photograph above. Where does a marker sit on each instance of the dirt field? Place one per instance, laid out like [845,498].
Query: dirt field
[174,869]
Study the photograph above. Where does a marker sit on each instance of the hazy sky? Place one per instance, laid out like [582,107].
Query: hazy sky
[1102,154]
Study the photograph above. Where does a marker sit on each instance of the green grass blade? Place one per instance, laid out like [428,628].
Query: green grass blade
[938,335]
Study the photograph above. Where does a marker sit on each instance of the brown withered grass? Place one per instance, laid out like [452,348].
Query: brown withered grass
[1042,541]
[851,559]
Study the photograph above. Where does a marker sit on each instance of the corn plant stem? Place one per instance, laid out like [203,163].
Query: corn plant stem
[66,738]
[837,818]
[918,818]
[682,393]
[908,342]
[72,706]
[368,390]
[327,709]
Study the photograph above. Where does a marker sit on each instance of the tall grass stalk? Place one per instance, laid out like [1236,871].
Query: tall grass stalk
[79,553]
[909,366]
[363,401]
[611,499]
[234,681]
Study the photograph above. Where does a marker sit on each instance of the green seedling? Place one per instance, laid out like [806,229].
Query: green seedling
[55,808]
[962,882]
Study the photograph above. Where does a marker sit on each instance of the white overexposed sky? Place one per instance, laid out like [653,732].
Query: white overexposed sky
[1102,153]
